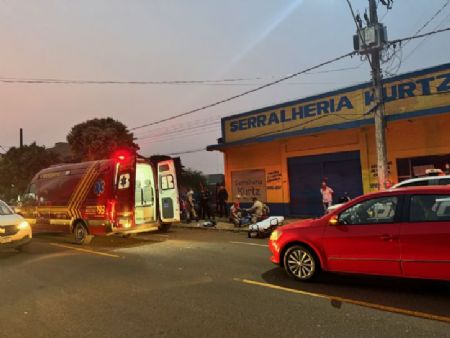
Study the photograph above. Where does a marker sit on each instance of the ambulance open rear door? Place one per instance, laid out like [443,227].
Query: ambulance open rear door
[169,204]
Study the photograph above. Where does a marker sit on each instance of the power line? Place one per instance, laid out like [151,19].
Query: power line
[177,129]
[167,133]
[5,151]
[358,29]
[210,125]
[341,115]
[187,152]
[433,17]
[243,93]
[176,136]
[102,82]
[400,49]
[393,42]
[423,41]
[230,81]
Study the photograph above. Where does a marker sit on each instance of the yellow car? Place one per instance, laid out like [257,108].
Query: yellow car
[15,232]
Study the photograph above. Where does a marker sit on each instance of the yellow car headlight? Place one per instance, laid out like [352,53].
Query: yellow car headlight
[275,235]
[23,225]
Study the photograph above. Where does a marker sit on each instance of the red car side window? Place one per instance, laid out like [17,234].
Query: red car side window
[374,211]
[429,208]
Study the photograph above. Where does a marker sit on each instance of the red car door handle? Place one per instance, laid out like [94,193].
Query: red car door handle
[387,237]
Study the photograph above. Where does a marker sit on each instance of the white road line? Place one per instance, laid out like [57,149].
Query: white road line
[253,244]
[85,250]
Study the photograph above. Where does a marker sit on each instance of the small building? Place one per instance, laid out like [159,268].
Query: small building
[282,153]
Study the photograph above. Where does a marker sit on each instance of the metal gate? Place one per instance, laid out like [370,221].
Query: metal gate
[341,170]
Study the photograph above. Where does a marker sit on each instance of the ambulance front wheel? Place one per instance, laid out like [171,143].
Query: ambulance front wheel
[81,233]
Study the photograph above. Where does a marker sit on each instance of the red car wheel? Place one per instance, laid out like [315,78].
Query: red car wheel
[301,263]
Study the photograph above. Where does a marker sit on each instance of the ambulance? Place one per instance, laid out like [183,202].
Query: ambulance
[126,194]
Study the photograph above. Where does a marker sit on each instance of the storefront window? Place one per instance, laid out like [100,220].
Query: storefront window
[416,166]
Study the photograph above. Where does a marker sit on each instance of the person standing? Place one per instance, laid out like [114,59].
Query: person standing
[327,196]
[191,213]
[222,198]
[205,210]
[447,169]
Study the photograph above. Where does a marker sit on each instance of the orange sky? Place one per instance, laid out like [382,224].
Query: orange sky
[137,40]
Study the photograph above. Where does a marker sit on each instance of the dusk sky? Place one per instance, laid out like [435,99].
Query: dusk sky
[159,40]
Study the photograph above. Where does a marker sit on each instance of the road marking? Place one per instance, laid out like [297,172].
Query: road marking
[85,250]
[254,244]
[350,301]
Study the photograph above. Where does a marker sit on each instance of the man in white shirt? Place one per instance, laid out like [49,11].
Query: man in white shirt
[327,196]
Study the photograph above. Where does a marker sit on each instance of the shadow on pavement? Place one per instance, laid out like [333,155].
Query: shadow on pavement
[41,244]
[411,294]
[105,242]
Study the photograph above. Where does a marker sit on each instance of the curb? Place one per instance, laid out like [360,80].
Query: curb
[184,226]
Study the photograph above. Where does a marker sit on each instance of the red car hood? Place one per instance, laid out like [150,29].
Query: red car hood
[300,224]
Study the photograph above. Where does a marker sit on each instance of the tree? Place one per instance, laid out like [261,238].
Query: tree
[19,165]
[191,178]
[97,139]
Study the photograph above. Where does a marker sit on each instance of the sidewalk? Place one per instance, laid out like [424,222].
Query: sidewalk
[222,225]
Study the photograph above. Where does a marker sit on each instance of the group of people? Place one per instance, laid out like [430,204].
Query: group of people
[198,206]
[202,209]
[240,216]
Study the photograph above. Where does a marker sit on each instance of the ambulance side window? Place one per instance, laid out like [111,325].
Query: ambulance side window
[124,181]
[167,182]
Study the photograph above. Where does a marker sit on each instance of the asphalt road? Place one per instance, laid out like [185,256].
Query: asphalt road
[193,283]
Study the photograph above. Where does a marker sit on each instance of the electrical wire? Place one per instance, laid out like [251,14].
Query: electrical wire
[362,116]
[167,133]
[418,36]
[187,152]
[185,134]
[231,81]
[424,40]
[275,82]
[5,151]
[433,17]
[231,98]
[176,129]
[110,82]
[390,71]
[358,29]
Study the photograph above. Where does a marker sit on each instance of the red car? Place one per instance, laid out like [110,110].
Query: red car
[402,233]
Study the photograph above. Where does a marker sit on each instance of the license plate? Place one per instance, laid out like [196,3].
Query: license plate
[4,240]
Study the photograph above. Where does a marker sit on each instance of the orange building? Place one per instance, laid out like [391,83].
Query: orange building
[282,153]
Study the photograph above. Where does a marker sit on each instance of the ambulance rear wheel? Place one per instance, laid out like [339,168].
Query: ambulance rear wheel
[80,233]
[164,227]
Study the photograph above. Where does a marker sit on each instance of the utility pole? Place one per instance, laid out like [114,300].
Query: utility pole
[369,41]
[380,123]
[21,138]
